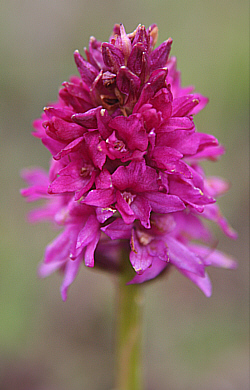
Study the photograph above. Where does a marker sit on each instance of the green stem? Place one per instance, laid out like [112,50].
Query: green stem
[129,333]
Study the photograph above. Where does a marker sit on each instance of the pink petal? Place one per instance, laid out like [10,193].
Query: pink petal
[87,71]
[139,257]
[112,56]
[124,208]
[203,283]
[164,203]
[137,59]
[101,198]
[183,105]
[141,208]
[157,267]
[90,250]
[70,273]
[176,123]
[118,229]
[159,56]
[87,119]
[183,258]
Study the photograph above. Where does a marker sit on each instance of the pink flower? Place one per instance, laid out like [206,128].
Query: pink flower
[125,173]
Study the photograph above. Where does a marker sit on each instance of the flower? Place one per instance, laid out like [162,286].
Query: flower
[125,173]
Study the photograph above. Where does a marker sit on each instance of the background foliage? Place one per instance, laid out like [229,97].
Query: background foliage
[191,342]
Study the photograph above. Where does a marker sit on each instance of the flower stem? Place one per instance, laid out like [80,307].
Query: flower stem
[129,333]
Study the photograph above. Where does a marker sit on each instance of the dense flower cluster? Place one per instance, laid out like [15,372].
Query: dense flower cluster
[125,173]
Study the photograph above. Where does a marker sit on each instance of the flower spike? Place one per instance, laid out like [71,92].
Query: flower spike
[125,173]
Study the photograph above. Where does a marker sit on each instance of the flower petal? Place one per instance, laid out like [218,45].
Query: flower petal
[87,71]
[141,208]
[118,229]
[183,105]
[112,56]
[204,283]
[131,131]
[137,176]
[159,56]
[139,257]
[70,273]
[157,267]
[100,198]
[164,203]
[183,258]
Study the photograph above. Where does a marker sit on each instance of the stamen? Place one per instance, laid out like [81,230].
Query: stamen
[86,170]
[128,197]
[143,237]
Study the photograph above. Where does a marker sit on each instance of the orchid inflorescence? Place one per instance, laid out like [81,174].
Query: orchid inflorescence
[125,174]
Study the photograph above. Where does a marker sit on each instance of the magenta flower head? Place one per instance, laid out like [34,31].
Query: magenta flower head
[125,172]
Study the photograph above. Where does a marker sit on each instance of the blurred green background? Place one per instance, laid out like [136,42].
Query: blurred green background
[191,342]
